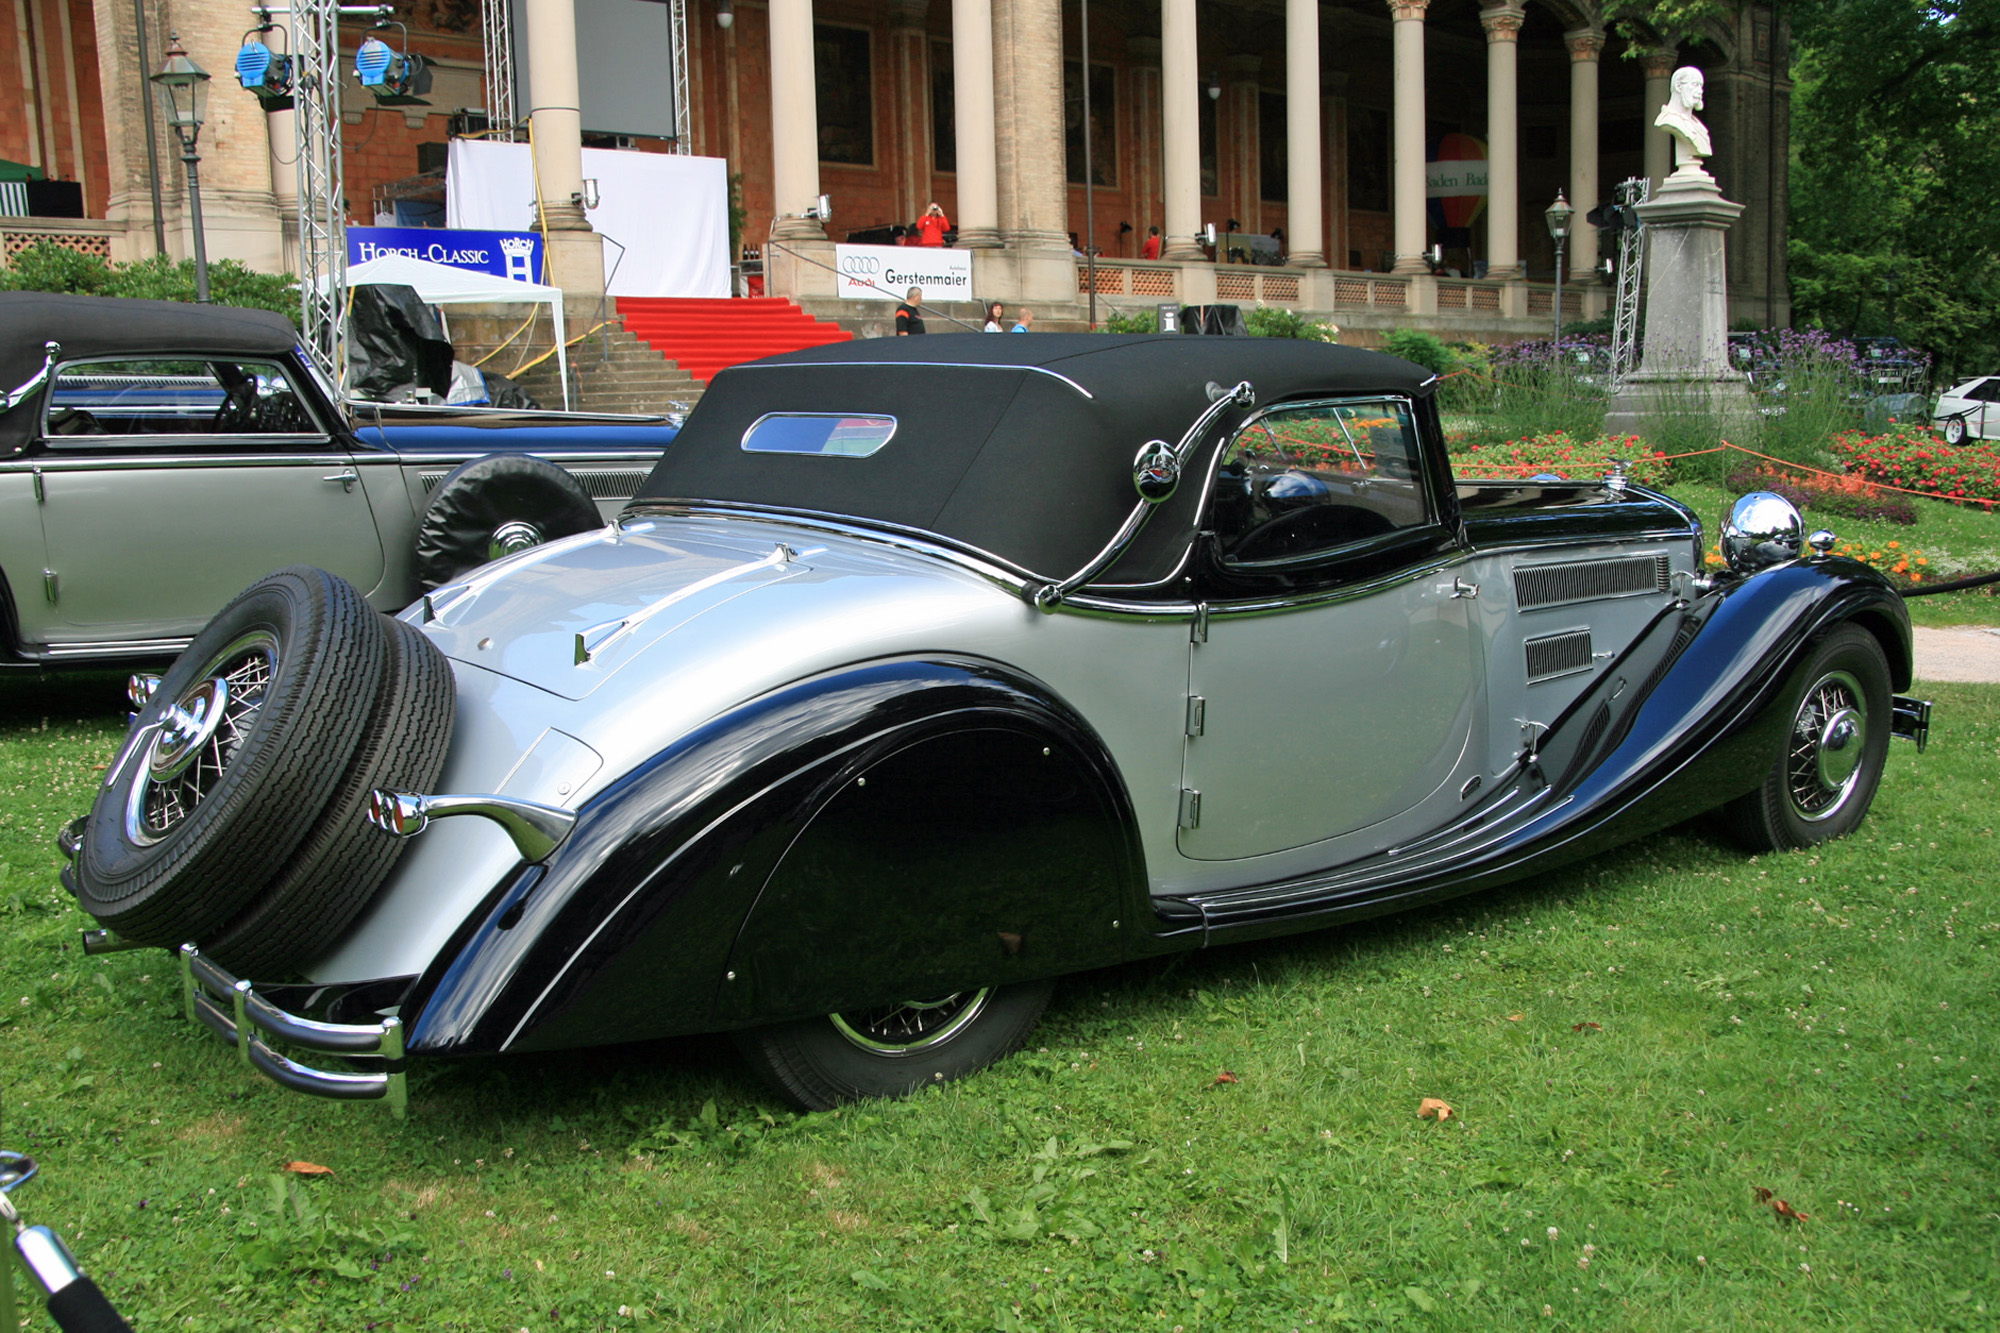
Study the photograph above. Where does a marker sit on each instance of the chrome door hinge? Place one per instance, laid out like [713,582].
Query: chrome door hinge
[1190,808]
[41,494]
[1460,588]
[49,584]
[1197,714]
[1198,632]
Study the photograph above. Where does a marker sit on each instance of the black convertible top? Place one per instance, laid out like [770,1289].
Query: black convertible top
[114,326]
[1018,446]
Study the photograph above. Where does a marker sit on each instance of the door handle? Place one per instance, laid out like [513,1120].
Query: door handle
[346,477]
[1460,588]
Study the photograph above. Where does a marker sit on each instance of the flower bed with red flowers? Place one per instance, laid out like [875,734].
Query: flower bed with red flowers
[1569,459]
[1837,497]
[1918,460]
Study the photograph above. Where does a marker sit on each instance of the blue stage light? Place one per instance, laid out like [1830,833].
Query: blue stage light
[371,62]
[253,62]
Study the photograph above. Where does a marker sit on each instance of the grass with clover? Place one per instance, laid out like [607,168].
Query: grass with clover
[1631,1048]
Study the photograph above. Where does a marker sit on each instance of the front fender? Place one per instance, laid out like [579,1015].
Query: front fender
[633,927]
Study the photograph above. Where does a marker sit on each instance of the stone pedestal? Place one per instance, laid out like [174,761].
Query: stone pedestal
[1686,364]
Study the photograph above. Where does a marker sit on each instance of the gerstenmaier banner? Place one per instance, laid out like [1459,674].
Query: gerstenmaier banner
[887,272]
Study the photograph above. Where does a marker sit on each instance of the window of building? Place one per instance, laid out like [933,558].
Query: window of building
[845,78]
[1103,123]
[1368,158]
[944,109]
[1273,147]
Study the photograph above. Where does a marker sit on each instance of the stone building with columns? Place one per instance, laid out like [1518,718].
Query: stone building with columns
[1313,119]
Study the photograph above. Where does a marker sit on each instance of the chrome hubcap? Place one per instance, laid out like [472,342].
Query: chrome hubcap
[1829,737]
[912,1026]
[196,736]
[514,535]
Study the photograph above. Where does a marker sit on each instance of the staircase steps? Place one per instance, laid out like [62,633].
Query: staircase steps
[610,371]
[703,336]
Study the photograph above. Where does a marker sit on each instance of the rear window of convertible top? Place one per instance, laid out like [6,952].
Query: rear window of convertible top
[833,434]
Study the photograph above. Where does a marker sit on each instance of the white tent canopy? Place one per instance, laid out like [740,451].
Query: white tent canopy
[441,284]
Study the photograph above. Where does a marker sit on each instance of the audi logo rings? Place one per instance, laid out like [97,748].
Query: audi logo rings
[859,266]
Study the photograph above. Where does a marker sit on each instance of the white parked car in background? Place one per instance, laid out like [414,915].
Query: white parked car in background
[1970,410]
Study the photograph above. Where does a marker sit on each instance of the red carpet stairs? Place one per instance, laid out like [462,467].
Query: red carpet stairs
[702,336]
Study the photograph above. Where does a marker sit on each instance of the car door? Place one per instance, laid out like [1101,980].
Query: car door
[1340,682]
[1982,420]
[170,485]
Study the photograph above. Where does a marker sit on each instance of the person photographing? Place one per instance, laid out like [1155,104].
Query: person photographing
[932,226]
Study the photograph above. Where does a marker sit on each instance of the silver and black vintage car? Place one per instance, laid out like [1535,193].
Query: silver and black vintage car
[156,457]
[924,671]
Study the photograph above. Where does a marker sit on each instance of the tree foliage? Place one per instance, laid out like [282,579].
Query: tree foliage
[1896,172]
[46,267]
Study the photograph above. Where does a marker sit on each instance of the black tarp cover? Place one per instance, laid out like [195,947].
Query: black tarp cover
[93,326]
[1020,446]
[395,344]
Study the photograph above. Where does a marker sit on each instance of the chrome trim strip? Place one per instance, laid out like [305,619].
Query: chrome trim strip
[1583,543]
[108,648]
[949,365]
[52,463]
[557,416]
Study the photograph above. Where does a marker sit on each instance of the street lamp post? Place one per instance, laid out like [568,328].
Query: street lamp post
[183,89]
[1558,215]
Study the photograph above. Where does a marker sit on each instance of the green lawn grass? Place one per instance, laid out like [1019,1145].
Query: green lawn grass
[1631,1049]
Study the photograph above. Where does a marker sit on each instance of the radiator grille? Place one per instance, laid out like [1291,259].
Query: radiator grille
[600,483]
[1588,580]
[1558,655]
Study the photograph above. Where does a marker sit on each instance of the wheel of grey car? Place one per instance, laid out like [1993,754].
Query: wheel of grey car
[1830,759]
[1955,431]
[892,1050]
[341,863]
[228,766]
[495,506]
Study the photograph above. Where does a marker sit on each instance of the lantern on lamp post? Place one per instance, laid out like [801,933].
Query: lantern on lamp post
[183,89]
[1558,215]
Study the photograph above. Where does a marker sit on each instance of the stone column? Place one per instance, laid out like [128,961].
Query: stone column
[972,93]
[1144,52]
[1407,170]
[1245,136]
[575,251]
[1180,124]
[284,131]
[1303,188]
[1585,46]
[794,121]
[1333,115]
[1658,66]
[1503,140]
[910,56]
[1028,115]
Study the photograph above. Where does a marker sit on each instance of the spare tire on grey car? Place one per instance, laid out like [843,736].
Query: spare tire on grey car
[495,506]
[224,813]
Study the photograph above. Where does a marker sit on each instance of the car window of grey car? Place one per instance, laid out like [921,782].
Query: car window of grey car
[1301,482]
[155,400]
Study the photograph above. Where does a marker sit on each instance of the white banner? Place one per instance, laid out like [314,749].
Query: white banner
[887,272]
[1451,180]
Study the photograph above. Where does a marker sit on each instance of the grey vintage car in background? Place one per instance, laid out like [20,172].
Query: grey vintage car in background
[923,671]
[157,458]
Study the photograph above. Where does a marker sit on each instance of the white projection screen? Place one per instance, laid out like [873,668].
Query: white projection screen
[625,66]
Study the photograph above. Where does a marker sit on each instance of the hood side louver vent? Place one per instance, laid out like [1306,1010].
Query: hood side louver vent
[1558,655]
[1589,580]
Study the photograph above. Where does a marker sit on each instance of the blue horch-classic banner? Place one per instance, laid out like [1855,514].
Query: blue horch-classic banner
[505,254]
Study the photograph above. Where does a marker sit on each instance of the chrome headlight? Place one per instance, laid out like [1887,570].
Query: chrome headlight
[1762,529]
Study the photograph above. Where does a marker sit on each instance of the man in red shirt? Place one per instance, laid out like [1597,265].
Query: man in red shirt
[1151,249]
[932,226]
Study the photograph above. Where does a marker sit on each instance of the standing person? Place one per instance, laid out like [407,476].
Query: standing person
[909,318]
[1022,322]
[1151,250]
[932,226]
[995,312]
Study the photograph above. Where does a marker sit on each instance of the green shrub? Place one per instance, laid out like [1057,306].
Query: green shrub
[1270,321]
[48,267]
[1426,349]
[1132,321]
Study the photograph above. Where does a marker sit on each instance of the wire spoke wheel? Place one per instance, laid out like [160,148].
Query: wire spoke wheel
[1829,734]
[197,737]
[914,1025]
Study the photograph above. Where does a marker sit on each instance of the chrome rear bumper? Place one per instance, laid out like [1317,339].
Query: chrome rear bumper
[236,1014]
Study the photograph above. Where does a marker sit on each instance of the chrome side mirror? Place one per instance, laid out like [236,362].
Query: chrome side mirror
[1156,472]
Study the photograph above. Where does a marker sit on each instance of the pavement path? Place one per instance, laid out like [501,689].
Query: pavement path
[1961,653]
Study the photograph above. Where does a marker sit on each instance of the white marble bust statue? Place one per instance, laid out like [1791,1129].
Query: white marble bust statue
[1691,141]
